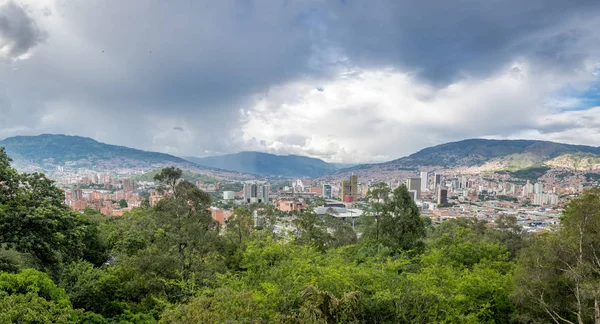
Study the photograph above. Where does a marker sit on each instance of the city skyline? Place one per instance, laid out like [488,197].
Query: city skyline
[343,81]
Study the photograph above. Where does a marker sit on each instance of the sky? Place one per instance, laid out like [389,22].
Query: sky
[347,81]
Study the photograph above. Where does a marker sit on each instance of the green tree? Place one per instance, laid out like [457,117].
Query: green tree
[558,277]
[342,233]
[168,177]
[123,203]
[399,225]
[9,178]
[34,220]
[310,231]
[239,226]
[378,195]
[509,233]
[187,232]
[31,297]
[324,307]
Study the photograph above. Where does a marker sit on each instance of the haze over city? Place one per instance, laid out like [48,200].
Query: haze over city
[343,81]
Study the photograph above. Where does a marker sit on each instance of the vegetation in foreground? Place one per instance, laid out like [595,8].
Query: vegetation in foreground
[174,264]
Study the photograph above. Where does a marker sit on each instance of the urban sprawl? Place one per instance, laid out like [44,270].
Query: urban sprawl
[439,195]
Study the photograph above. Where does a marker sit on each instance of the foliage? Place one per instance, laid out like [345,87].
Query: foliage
[396,223]
[558,277]
[34,220]
[173,263]
[311,231]
[532,174]
[32,297]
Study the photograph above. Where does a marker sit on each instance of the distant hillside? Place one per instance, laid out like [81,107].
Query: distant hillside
[45,152]
[489,155]
[268,164]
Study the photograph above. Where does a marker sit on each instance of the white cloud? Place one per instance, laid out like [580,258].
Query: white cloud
[377,115]
[345,82]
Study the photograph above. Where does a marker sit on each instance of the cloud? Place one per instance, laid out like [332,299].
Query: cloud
[376,115]
[344,81]
[19,33]
[445,41]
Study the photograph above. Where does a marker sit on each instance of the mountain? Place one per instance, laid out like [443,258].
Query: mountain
[475,152]
[47,151]
[489,155]
[268,164]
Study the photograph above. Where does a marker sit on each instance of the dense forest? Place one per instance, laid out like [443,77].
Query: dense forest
[173,264]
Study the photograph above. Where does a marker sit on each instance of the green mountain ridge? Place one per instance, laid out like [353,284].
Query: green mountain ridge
[49,150]
[45,152]
[498,154]
[268,164]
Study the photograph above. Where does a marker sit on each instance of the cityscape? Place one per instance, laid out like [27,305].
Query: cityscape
[536,203]
[299,162]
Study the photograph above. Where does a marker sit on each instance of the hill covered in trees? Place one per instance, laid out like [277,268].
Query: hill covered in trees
[172,263]
[268,164]
[482,155]
[51,149]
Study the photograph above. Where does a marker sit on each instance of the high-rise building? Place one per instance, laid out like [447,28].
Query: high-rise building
[528,189]
[350,188]
[413,194]
[414,184]
[228,195]
[538,188]
[354,185]
[442,196]
[438,179]
[77,193]
[298,186]
[128,185]
[424,181]
[154,198]
[455,185]
[327,191]
[256,192]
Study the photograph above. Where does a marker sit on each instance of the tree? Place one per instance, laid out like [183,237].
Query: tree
[310,231]
[558,276]
[32,297]
[187,231]
[239,226]
[510,234]
[34,220]
[123,203]
[269,218]
[9,178]
[399,225]
[378,195]
[324,307]
[168,177]
[343,234]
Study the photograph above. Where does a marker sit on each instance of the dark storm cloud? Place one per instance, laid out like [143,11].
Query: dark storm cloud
[443,40]
[18,31]
[174,76]
[193,61]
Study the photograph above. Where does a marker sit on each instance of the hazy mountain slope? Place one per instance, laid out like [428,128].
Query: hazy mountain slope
[487,155]
[47,151]
[268,164]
